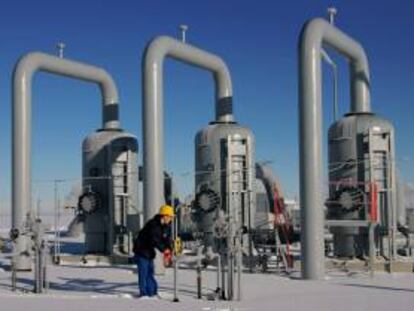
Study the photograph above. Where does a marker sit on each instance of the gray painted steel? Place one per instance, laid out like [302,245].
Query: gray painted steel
[401,203]
[21,140]
[212,172]
[152,104]
[270,182]
[361,150]
[110,170]
[315,34]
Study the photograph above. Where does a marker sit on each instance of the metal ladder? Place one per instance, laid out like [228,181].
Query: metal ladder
[379,172]
[121,193]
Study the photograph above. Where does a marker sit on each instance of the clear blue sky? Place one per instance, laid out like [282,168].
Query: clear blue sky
[258,40]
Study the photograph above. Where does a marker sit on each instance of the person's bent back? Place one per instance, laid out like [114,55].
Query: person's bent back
[156,234]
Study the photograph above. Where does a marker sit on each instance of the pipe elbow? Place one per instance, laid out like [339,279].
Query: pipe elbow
[32,62]
[26,66]
[317,31]
[312,33]
[361,58]
[156,50]
[223,80]
[108,88]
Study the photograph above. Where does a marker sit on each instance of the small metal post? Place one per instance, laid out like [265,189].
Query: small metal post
[58,230]
[199,280]
[45,282]
[55,258]
[371,248]
[239,267]
[37,231]
[230,222]
[218,289]
[174,235]
[251,258]
[60,48]
[183,29]
[223,278]
[175,262]
[332,11]
[14,273]
[41,272]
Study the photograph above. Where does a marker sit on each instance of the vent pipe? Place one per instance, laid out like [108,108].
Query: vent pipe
[21,140]
[152,104]
[316,34]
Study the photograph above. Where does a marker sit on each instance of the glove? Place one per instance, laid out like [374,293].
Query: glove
[167,256]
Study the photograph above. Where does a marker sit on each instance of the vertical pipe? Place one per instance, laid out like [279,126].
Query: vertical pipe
[394,192]
[371,241]
[36,272]
[41,281]
[58,229]
[218,290]
[314,34]
[199,281]
[14,273]
[310,147]
[174,234]
[223,280]
[230,237]
[250,241]
[55,234]
[239,269]
[21,119]
[111,236]
[152,107]
[401,202]
[45,263]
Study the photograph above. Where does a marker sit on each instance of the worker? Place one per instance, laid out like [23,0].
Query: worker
[156,234]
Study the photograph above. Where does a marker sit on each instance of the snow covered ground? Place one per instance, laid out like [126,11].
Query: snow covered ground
[103,288]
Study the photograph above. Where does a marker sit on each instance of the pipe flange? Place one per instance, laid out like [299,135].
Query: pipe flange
[207,201]
[14,234]
[348,199]
[89,202]
[221,229]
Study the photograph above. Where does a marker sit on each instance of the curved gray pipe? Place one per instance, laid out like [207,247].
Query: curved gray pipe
[270,182]
[315,34]
[21,140]
[152,71]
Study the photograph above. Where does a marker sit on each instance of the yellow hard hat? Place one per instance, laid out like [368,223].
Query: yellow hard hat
[166,210]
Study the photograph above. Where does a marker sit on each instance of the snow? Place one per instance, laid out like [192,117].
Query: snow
[104,288]
[101,287]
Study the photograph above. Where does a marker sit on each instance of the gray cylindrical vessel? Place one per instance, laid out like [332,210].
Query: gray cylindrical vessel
[361,151]
[224,157]
[110,192]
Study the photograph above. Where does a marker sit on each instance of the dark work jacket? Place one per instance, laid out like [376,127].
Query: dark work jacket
[153,235]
